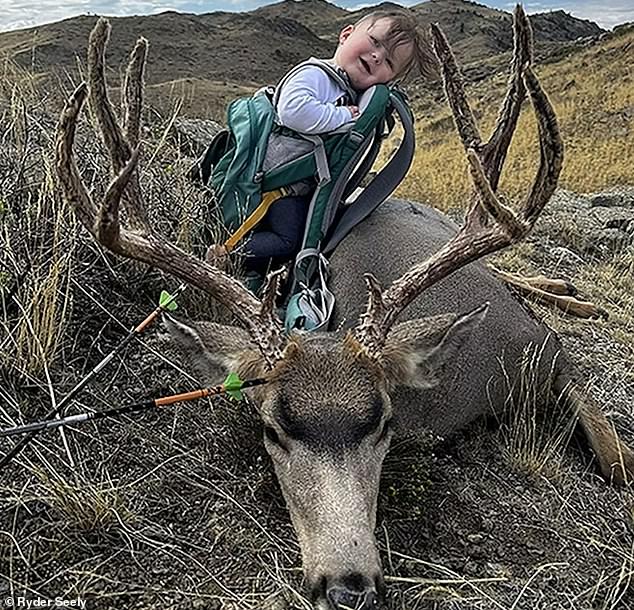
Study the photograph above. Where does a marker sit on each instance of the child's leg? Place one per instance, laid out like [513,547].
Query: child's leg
[286,221]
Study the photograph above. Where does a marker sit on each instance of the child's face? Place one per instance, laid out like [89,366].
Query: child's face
[364,54]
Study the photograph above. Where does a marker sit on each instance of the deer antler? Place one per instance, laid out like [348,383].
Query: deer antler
[490,225]
[259,317]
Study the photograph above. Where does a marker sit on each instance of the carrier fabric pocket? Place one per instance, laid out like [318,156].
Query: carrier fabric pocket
[282,149]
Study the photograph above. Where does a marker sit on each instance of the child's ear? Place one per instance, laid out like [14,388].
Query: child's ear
[345,33]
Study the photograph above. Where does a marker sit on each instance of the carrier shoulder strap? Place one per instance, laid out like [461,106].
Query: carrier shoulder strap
[383,183]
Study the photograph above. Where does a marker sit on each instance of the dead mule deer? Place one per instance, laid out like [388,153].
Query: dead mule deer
[335,399]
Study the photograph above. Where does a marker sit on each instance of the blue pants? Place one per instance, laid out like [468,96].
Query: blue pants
[279,236]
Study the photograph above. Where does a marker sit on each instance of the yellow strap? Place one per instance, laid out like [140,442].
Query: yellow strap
[256,216]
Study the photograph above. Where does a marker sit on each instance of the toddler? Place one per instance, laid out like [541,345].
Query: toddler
[380,48]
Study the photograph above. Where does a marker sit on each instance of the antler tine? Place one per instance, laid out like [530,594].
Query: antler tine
[117,145]
[369,331]
[107,226]
[495,150]
[454,91]
[72,186]
[545,182]
[475,239]
[260,319]
[133,91]
[490,202]
[462,115]
[551,151]
[270,290]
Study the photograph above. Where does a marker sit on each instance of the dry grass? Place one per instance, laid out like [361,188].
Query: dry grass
[37,235]
[81,504]
[593,95]
[534,439]
[607,281]
[198,97]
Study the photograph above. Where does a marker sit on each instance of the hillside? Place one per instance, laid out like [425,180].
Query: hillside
[257,47]
[198,63]
[219,46]
[318,15]
[475,31]
[591,89]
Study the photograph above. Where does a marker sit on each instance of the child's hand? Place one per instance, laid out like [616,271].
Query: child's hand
[354,111]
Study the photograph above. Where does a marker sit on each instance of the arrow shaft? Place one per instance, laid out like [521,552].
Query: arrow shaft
[33,428]
[60,406]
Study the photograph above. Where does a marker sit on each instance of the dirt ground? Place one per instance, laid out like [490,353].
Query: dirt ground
[180,508]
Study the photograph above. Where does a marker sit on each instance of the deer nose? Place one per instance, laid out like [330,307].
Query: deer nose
[344,599]
[352,591]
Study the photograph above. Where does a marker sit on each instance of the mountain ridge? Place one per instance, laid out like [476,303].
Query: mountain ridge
[235,47]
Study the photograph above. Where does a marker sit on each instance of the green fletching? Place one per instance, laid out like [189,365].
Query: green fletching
[166,301]
[232,385]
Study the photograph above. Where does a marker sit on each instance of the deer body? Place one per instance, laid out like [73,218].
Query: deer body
[478,380]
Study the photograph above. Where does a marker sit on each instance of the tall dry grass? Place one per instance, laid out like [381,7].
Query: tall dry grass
[49,266]
[37,232]
[593,95]
[534,438]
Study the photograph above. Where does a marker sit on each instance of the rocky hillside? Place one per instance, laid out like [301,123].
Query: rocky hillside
[218,46]
[474,30]
[258,47]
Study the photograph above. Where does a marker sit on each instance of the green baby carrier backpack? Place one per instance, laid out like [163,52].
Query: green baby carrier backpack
[246,181]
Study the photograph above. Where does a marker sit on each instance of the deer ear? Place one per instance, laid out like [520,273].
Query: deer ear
[213,350]
[416,350]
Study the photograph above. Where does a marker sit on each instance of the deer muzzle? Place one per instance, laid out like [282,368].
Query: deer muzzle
[344,570]
[351,591]
[332,501]
[367,596]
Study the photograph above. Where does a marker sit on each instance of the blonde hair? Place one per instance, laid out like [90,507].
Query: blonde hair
[404,30]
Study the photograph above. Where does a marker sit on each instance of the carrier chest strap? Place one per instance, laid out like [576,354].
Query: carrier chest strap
[383,183]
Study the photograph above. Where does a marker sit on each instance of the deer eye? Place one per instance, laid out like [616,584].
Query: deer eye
[273,437]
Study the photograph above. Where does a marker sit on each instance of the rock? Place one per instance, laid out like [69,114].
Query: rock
[195,134]
[606,200]
[598,224]
[618,196]
[564,253]
[608,242]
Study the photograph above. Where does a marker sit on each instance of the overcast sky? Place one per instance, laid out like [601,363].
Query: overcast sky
[16,14]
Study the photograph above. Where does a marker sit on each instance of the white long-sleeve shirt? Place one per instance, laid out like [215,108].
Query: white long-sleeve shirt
[311,102]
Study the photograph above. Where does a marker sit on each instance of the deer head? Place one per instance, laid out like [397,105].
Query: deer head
[326,408]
